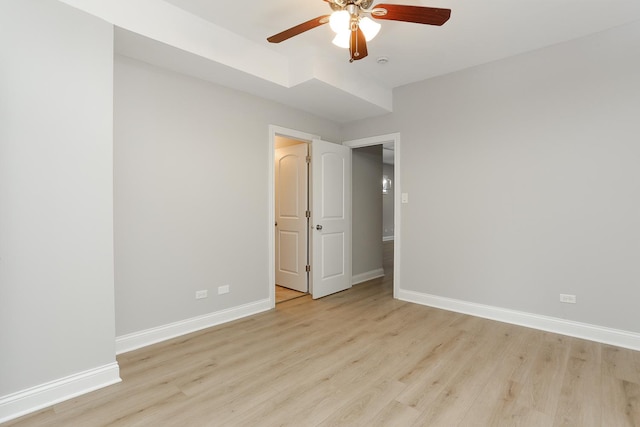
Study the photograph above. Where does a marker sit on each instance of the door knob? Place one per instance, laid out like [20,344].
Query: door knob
[318,227]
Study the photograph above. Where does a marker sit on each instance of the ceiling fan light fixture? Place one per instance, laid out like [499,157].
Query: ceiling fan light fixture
[351,22]
[340,21]
[369,27]
[342,39]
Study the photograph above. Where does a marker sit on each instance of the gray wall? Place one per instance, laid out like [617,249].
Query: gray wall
[387,204]
[56,201]
[524,181]
[191,194]
[367,209]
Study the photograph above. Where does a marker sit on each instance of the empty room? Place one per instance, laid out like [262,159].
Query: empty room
[147,216]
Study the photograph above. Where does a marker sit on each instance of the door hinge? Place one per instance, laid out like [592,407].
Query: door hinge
[308,214]
[308,158]
[308,268]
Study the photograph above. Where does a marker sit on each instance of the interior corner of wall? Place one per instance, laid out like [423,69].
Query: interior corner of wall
[301,70]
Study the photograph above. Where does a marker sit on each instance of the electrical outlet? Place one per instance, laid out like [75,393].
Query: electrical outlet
[223,289]
[569,299]
[201,294]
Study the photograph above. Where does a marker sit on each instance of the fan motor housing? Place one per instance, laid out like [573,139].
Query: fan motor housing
[364,4]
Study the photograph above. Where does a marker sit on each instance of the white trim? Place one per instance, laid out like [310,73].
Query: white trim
[41,396]
[367,275]
[373,140]
[387,238]
[147,337]
[271,195]
[571,328]
[397,192]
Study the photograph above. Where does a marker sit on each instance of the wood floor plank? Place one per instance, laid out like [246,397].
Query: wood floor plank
[435,372]
[43,418]
[288,386]
[620,402]
[541,388]
[124,411]
[362,407]
[463,388]
[621,363]
[284,294]
[425,352]
[497,402]
[395,414]
[583,373]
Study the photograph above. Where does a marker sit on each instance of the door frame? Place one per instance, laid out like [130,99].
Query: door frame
[288,133]
[356,143]
[397,193]
[293,279]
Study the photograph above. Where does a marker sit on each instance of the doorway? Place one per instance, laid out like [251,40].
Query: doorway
[292,215]
[391,245]
[299,137]
[335,158]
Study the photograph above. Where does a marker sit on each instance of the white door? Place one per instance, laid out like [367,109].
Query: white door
[291,202]
[330,218]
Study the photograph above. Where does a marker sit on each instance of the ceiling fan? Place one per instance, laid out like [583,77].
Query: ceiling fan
[353,27]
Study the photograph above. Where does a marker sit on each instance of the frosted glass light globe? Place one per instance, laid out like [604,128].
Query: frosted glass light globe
[369,27]
[342,39]
[339,21]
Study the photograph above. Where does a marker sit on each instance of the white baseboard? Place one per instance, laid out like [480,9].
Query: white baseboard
[368,275]
[387,238]
[35,398]
[147,337]
[586,331]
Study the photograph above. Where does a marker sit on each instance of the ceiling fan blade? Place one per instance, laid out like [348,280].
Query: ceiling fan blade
[417,14]
[357,45]
[298,29]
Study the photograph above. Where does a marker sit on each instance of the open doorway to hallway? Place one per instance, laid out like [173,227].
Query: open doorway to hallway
[373,212]
[389,192]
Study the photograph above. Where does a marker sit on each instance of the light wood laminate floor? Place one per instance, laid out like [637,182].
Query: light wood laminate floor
[361,358]
[284,294]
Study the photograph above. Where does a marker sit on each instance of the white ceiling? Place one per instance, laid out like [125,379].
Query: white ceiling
[225,42]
